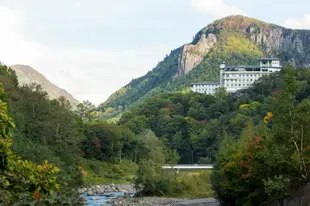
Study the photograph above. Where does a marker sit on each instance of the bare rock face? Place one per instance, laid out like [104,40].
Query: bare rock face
[279,39]
[192,54]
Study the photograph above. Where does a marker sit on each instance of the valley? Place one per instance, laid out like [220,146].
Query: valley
[54,149]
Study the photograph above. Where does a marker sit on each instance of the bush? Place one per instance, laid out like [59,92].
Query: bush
[194,184]
[149,179]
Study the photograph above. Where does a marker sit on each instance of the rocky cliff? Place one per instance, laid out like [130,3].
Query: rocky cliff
[27,75]
[237,40]
[192,54]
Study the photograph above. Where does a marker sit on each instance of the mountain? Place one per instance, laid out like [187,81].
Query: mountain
[28,75]
[237,40]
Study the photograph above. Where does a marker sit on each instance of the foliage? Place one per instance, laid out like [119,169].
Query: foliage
[149,179]
[187,123]
[270,158]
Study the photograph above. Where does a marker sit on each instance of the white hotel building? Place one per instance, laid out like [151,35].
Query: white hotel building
[234,78]
[205,87]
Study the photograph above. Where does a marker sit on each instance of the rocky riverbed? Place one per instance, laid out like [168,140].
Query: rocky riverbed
[127,189]
[123,195]
[159,201]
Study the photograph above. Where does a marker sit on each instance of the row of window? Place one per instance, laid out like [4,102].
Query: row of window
[244,75]
[202,90]
[240,80]
[205,85]
[236,85]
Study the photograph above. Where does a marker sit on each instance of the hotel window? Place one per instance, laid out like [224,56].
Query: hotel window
[227,75]
[235,84]
[239,85]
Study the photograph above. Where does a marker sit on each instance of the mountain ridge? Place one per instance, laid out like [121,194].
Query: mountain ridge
[233,39]
[27,75]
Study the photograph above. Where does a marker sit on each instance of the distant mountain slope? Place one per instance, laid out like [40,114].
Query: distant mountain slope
[28,75]
[237,40]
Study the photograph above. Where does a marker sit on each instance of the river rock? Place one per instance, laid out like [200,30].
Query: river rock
[90,193]
[81,190]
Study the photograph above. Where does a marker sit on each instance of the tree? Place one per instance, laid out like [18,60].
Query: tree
[289,121]
[19,177]
[87,111]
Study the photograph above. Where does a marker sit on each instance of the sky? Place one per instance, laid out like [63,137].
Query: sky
[91,48]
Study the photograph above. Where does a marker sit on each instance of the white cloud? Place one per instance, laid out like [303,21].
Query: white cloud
[88,74]
[215,8]
[301,23]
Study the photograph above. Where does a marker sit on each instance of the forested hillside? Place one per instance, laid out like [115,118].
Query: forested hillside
[237,40]
[194,124]
[258,138]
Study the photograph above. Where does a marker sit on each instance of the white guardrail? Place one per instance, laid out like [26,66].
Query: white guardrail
[195,166]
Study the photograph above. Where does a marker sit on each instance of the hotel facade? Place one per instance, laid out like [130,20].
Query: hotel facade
[234,78]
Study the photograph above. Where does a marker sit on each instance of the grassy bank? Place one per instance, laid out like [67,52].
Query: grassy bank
[97,172]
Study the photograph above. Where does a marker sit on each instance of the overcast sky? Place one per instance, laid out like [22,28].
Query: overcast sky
[93,47]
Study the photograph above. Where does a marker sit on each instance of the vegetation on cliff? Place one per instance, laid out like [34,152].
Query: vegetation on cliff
[240,41]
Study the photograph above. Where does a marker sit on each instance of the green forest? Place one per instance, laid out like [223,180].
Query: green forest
[256,138]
